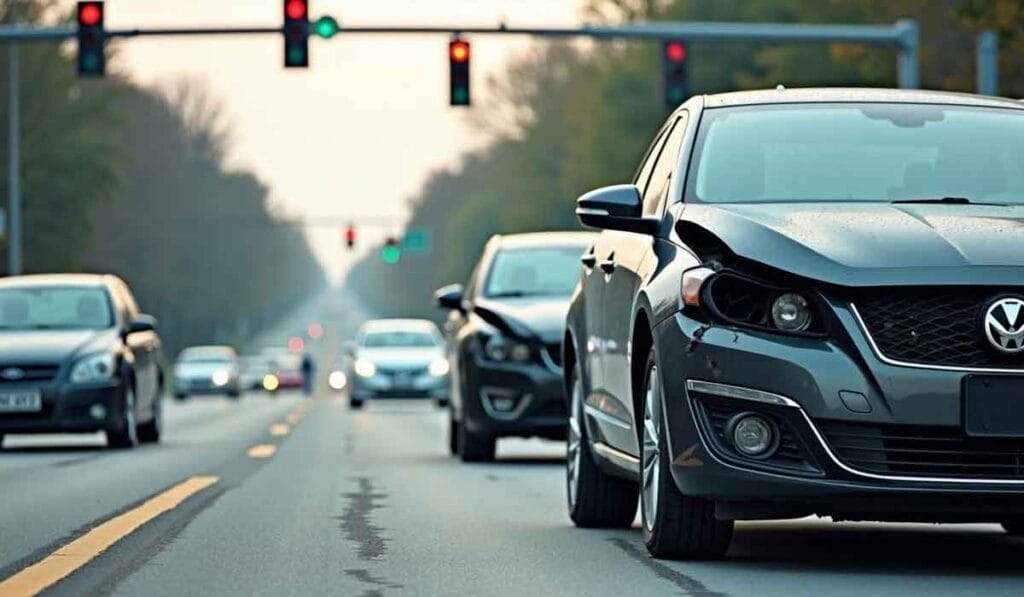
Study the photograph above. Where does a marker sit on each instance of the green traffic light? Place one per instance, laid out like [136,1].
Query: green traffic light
[391,254]
[460,96]
[326,27]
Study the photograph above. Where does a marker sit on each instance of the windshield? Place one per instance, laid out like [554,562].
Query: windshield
[400,339]
[539,271]
[55,308]
[859,152]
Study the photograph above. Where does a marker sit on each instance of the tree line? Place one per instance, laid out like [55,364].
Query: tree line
[133,181]
[568,117]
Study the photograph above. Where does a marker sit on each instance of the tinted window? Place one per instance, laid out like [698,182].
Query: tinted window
[644,174]
[859,152]
[55,308]
[662,175]
[399,339]
[539,271]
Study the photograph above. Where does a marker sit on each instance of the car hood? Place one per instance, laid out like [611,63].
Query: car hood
[401,358]
[202,369]
[526,317]
[51,346]
[861,244]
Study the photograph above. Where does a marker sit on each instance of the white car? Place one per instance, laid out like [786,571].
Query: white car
[398,358]
[207,370]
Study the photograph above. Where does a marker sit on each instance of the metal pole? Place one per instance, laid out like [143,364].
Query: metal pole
[14,151]
[909,68]
[987,54]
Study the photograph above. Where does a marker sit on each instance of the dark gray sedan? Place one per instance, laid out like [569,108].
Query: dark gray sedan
[806,302]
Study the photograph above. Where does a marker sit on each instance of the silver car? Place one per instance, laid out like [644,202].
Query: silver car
[207,370]
[398,358]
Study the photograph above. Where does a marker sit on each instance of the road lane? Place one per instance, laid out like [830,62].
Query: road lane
[58,487]
[368,503]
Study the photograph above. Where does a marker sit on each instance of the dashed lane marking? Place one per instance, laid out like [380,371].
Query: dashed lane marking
[262,451]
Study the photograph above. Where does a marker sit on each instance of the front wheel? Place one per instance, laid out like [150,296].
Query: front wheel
[596,499]
[125,435]
[675,526]
[355,403]
[149,433]
[475,447]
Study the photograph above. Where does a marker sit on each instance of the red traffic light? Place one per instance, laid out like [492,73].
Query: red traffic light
[90,14]
[296,9]
[458,51]
[675,51]
[350,236]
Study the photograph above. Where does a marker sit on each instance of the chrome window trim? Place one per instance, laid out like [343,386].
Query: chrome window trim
[691,384]
[897,363]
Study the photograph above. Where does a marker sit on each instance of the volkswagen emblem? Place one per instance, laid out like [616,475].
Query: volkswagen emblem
[1004,325]
[12,373]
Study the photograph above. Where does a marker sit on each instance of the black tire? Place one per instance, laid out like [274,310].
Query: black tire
[453,433]
[595,499]
[355,403]
[149,432]
[683,527]
[1,441]
[235,394]
[475,447]
[441,403]
[126,434]
[181,397]
[1014,527]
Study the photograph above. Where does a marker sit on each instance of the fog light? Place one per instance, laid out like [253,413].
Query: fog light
[503,404]
[752,435]
[98,412]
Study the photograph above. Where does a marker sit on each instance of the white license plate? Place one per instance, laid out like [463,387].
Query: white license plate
[20,402]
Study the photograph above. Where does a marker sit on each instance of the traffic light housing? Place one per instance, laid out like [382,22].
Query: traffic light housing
[92,59]
[350,237]
[458,68]
[296,33]
[391,252]
[676,79]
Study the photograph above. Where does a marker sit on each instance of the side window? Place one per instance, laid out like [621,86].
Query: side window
[644,173]
[130,305]
[661,176]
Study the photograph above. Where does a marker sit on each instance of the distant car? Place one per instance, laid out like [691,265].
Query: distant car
[287,372]
[398,358]
[207,370]
[505,340]
[254,368]
[77,355]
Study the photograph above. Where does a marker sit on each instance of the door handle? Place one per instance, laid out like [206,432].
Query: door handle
[589,260]
[608,266]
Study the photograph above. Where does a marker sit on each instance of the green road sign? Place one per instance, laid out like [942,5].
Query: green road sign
[416,240]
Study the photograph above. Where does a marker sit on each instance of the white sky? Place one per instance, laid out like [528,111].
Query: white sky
[356,133]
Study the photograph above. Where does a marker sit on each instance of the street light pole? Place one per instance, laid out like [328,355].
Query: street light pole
[14,153]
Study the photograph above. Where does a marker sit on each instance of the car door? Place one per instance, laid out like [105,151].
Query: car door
[631,262]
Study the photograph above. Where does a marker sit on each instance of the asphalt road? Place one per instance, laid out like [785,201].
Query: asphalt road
[368,503]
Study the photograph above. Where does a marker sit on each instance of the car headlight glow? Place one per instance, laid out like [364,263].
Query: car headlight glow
[92,368]
[365,367]
[220,377]
[337,380]
[271,382]
[439,367]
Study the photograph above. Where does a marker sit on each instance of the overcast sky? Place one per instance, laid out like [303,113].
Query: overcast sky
[357,132]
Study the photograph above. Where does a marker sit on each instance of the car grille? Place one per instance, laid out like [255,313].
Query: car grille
[917,450]
[395,371]
[932,326]
[29,373]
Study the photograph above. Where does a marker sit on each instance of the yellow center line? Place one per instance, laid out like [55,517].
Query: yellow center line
[279,429]
[294,418]
[262,451]
[58,565]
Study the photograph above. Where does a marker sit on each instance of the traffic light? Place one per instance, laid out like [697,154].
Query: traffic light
[458,67]
[296,33]
[350,236]
[326,27]
[677,84]
[391,252]
[92,60]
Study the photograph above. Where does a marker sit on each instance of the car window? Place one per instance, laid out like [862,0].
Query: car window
[859,152]
[644,172]
[400,339]
[63,307]
[657,188]
[534,271]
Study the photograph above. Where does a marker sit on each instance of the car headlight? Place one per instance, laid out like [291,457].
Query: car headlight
[337,380]
[95,367]
[365,367]
[220,377]
[739,300]
[439,367]
[501,349]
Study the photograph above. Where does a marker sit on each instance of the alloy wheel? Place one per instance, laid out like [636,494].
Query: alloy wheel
[651,449]
[574,448]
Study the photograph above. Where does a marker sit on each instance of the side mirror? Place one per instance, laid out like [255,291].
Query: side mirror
[618,207]
[450,297]
[142,323]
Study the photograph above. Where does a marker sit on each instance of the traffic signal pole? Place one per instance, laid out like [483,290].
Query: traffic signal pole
[14,153]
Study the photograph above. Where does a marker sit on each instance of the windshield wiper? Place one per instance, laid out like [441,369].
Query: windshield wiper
[947,201]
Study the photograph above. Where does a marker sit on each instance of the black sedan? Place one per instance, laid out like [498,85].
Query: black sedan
[806,302]
[505,341]
[77,356]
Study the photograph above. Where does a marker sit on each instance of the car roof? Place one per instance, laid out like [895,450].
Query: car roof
[849,94]
[544,239]
[398,324]
[210,350]
[35,280]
